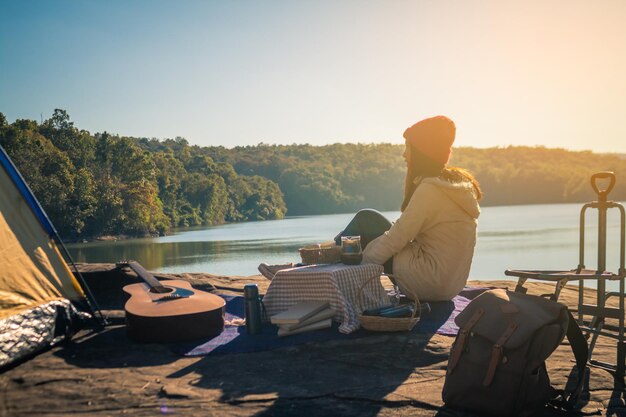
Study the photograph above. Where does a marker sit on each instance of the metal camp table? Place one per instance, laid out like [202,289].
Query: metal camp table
[600,311]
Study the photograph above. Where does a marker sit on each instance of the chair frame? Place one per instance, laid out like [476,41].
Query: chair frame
[599,311]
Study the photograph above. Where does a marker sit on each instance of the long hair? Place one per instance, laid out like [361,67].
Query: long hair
[421,166]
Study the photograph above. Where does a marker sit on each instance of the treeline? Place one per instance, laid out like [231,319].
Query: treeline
[317,179]
[103,184]
[534,175]
[95,185]
[346,177]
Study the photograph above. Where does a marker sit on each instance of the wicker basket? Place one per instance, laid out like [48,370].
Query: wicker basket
[388,324]
[320,254]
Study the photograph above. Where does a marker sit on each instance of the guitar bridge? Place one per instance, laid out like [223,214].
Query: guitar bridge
[169,297]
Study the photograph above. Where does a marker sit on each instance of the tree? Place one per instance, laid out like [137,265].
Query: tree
[78,145]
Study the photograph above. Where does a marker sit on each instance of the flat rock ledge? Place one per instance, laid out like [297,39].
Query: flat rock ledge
[106,374]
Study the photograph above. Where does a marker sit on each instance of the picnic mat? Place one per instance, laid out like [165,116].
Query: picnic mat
[234,339]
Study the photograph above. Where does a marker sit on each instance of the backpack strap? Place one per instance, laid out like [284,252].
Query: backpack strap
[564,399]
[459,344]
[496,354]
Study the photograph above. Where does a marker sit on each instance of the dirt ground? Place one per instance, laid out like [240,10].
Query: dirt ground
[389,374]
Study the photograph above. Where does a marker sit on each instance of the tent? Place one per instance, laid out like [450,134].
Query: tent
[41,301]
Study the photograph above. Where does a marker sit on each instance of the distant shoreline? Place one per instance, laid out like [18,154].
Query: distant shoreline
[126,236]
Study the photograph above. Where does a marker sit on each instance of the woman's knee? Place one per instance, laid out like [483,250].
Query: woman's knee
[368,223]
[368,212]
[372,219]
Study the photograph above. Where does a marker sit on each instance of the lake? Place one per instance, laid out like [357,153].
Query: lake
[522,237]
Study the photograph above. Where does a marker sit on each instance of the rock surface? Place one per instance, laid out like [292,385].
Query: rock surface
[106,374]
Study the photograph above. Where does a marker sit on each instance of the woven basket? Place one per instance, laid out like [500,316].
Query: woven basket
[320,254]
[388,324]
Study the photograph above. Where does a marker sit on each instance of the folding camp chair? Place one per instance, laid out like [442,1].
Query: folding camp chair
[599,311]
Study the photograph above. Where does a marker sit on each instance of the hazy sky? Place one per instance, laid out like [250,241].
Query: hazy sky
[532,72]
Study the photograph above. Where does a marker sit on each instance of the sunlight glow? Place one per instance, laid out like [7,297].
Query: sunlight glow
[231,73]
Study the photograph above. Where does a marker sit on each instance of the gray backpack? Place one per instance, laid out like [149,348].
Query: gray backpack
[497,362]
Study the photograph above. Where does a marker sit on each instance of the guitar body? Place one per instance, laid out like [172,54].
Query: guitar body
[153,317]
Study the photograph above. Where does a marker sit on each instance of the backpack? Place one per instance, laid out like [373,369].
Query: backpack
[497,361]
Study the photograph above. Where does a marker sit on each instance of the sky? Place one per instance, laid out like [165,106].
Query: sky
[235,73]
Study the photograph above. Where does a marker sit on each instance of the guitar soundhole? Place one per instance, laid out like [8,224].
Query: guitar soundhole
[161,290]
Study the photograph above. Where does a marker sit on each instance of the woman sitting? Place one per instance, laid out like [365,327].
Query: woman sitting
[429,248]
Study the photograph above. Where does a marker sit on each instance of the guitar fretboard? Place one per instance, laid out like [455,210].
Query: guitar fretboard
[153,283]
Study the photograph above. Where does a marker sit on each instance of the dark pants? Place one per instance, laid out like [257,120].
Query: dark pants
[369,224]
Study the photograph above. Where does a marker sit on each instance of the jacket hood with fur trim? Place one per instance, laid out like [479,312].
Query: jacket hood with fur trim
[462,193]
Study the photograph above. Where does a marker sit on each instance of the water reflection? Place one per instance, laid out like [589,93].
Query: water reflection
[172,256]
[232,249]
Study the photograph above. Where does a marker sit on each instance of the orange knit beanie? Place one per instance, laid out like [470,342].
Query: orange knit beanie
[433,137]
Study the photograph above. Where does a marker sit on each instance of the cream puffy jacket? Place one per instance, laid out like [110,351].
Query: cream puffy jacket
[432,243]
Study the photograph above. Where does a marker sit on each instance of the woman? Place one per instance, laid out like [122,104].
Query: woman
[429,248]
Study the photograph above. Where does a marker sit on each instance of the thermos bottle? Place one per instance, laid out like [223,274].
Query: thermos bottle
[253,308]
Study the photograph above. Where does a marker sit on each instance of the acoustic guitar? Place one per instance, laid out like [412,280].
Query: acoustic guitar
[171,310]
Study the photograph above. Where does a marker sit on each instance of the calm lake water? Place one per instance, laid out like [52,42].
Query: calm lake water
[522,237]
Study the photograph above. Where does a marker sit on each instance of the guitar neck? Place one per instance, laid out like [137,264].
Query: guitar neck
[148,278]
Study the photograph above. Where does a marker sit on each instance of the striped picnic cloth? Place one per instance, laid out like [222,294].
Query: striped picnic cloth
[338,284]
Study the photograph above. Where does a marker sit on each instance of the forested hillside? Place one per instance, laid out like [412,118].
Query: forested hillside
[346,177]
[531,175]
[318,179]
[104,184]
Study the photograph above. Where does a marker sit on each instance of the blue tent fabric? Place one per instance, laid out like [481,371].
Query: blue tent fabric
[235,339]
